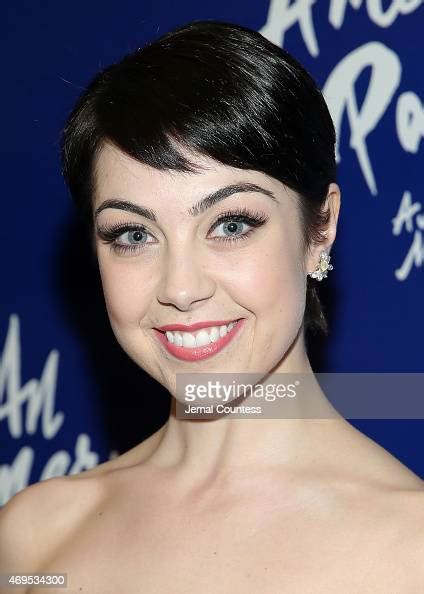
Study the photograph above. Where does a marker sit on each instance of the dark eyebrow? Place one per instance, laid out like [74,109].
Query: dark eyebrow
[212,199]
[198,208]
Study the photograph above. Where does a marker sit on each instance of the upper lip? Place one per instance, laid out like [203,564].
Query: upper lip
[196,326]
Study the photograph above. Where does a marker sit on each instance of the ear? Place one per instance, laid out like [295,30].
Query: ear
[332,203]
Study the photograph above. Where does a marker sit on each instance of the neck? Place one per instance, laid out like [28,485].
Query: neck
[202,450]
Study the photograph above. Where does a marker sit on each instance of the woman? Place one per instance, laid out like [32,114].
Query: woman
[205,165]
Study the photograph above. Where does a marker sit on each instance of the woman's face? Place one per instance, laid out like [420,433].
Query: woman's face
[184,267]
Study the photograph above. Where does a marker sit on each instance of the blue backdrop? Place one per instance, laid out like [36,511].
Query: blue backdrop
[69,397]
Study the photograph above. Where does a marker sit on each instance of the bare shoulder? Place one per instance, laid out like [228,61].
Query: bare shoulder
[408,535]
[394,516]
[37,519]
[414,517]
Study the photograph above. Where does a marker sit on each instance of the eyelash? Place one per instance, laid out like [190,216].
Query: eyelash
[109,235]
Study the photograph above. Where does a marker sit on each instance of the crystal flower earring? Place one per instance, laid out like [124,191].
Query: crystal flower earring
[323,267]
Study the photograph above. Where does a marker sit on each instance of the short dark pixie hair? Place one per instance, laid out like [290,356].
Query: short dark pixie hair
[219,90]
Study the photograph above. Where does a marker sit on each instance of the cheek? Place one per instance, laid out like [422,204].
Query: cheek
[272,285]
[270,278]
[126,290]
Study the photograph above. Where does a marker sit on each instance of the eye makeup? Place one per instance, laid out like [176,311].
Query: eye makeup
[133,233]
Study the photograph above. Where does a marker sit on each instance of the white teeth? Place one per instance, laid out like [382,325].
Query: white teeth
[200,338]
[188,340]
[214,334]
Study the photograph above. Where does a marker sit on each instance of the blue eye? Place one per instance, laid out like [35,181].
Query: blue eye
[232,228]
[234,224]
[124,237]
[136,236]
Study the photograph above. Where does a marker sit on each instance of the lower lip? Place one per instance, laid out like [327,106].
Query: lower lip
[201,352]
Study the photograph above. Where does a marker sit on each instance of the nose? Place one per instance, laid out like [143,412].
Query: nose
[184,281]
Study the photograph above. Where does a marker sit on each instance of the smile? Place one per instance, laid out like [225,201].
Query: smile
[199,344]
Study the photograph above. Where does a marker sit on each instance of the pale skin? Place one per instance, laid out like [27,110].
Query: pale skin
[301,506]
